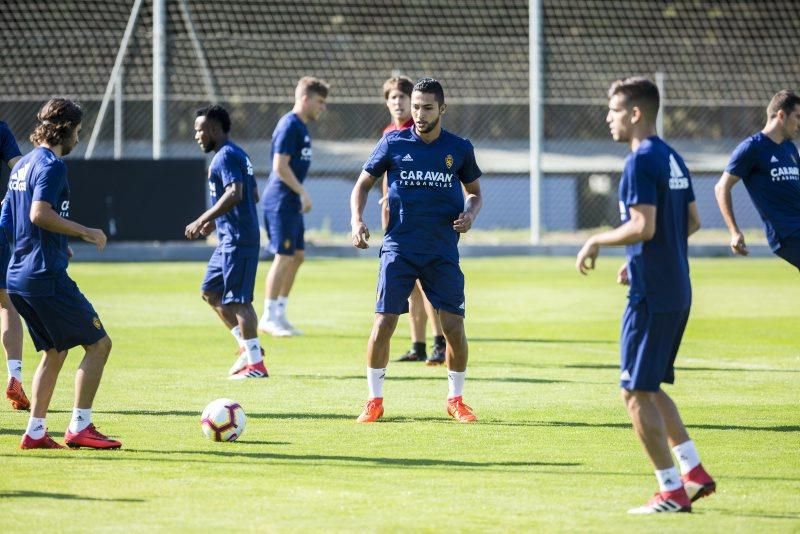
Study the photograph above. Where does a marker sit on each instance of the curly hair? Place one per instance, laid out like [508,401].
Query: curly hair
[429,85]
[57,120]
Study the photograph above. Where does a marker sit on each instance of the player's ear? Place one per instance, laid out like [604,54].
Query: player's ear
[636,114]
[442,109]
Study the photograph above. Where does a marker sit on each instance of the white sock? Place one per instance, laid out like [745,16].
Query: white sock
[15,369]
[375,382]
[687,456]
[237,334]
[253,348]
[283,302]
[271,307]
[81,418]
[36,427]
[455,383]
[668,479]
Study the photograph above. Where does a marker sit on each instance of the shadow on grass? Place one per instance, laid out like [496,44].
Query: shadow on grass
[194,413]
[681,369]
[376,460]
[739,513]
[17,494]
[541,340]
[508,380]
[580,424]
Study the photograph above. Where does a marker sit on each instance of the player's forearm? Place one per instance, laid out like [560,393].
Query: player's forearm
[48,219]
[473,205]
[358,199]
[286,176]
[225,204]
[725,203]
[627,234]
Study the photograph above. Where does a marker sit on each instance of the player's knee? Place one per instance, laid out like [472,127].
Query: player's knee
[299,257]
[213,299]
[384,325]
[452,325]
[636,397]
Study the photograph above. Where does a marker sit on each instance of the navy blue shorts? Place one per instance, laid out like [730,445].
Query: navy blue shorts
[5,257]
[648,346]
[232,274]
[790,250]
[286,231]
[441,279]
[62,320]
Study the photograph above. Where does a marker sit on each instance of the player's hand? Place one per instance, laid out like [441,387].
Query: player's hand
[464,222]
[207,228]
[360,235]
[194,229]
[737,244]
[96,236]
[622,275]
[305,202]
[586,257]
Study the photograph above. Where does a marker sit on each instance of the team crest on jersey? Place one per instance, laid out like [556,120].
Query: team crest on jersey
[96,322]
[448,160]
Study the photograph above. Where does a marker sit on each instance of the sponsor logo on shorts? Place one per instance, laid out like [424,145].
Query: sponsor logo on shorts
[287,243]
[448,160]
[97,324]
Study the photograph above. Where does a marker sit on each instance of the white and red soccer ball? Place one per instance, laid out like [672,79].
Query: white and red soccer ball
[223,420]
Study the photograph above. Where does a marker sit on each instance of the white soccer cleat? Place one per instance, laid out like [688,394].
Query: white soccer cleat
[239,364]
[284,324]
[266,325]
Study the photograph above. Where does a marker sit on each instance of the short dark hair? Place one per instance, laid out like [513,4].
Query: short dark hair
[308,85]
[401,83]
[429,85]
[57,118]
[214,112]
[640,92]
[785,101]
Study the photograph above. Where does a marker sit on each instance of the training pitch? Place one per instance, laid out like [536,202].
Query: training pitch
[552,450]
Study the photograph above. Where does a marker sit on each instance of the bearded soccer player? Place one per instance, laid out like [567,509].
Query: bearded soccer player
[426,167]
[658,213]
[58,316]
[231,273]
[286,200]
[768,164]
[10,323]
[397,95]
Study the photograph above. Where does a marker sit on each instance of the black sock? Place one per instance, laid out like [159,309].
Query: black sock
[419,349]
[439,342]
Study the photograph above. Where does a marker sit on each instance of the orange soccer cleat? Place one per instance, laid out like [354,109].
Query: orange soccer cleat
[257,370]
[16,395]
[460,411]
[90,437]
[666,501]
[373,410]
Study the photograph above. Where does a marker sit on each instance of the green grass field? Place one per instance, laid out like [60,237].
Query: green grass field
[553,449]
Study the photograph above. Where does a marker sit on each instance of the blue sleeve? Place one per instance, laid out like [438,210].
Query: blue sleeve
[49,183]
[469,171]
[743,160]
[285,139]
[8,145]
[230,169]
[6,220]
[379,161]
[642,187]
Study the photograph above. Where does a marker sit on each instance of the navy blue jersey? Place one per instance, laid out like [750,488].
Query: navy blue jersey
[290,138]
[239,226]
[659,269]
[425,194]
[770,174]
[39,256]
[8,145]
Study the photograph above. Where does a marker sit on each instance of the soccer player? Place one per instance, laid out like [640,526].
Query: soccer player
[285,200]
[10,323]
[231,273]
[767,162]
[658,211]
[58,316]
[397,94]
[426,167]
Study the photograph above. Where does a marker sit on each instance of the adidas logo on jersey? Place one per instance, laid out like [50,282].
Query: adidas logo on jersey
[773,159]
[408,157]
[676,178]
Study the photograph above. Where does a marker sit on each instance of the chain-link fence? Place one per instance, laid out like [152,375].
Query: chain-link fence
[719,63]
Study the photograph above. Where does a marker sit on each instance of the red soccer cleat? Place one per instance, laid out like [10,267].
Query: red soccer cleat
[257,370]
[666,501]
[241,361]
[460,411]
[373,410]
[89,437]
[45,442]
[16,395]
[698,483]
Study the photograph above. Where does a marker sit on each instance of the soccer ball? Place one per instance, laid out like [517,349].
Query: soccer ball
[223,420]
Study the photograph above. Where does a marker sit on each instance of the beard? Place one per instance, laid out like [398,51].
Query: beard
[430,127]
